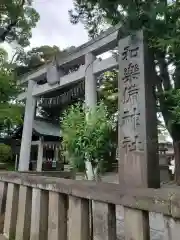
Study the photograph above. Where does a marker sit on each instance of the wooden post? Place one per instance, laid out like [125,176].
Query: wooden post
[40,155]
[39,215]
[56,153]
[11,211]
[78,219]
[104,221]
[138,142]
[57,217]
[24,213]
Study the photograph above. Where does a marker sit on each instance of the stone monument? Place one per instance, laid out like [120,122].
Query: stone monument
[138,142]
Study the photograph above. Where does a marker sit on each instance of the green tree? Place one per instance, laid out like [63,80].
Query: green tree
[160,21]
[10,110]
[38,56]
[17,18]
[86,138]
[34,58]
[108,92]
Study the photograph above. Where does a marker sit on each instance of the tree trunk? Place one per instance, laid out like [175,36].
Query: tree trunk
[176,145]
[92,175]
[89,170]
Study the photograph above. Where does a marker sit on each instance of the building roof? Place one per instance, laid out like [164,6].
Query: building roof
[46,128]
[40,127]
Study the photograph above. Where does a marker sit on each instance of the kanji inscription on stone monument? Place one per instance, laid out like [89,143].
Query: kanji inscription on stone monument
[137,139]
[130,87]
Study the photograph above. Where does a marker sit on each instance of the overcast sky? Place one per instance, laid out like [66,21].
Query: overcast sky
[54,27]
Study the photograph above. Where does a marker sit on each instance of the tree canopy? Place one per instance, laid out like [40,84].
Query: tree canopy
[17,18]
[34,58]
[10,111]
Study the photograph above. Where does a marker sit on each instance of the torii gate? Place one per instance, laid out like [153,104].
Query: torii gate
[138,146]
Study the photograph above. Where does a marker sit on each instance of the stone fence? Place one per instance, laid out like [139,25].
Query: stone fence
[39,208]
[56,174]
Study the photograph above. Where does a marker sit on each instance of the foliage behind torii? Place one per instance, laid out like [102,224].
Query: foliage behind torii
[17,18]
[161,24]
[10,111]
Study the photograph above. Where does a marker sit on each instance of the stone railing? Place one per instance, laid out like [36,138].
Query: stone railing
[37,208]
[56,174]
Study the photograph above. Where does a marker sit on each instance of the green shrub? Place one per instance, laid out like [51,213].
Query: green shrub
[5,153]
[86,136]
